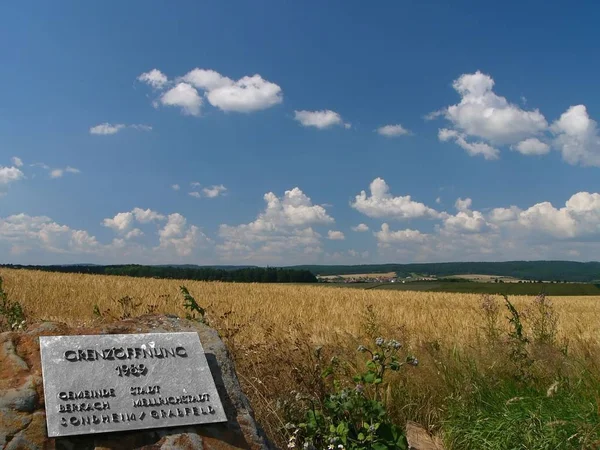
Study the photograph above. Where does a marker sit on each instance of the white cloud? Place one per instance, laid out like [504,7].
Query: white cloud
[463,205]
[393,130]
[466,221]
[248,94]
[180,237]
[282,232]
[472,148]
[23,232]
[58,173]
[10,175]
[146,215]
[155,78]
[175,187]
[195,194]
[438,200]
[577,137]
[184,96]
[195,184]
[136,232]
[319,119]
[214,191]
[206,79]
[335,235]
[119,223]
[361,227]
[386,236]
[122,222]
[541,231]
[484,115]
[107,128]
[17,162]
[532,146]
[381,204]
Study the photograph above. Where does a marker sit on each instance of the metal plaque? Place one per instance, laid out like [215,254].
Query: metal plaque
[118,382]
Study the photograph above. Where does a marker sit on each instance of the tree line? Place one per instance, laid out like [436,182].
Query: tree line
[242,275]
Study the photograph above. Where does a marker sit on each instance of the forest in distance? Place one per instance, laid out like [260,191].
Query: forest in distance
[559,271]
[197,273]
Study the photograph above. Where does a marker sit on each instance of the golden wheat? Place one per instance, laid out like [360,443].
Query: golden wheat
[323,312]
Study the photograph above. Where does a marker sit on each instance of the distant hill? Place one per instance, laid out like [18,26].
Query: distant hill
[528,270]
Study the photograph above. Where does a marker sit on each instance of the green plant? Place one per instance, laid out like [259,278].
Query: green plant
[12,314]
[518,341]
[355,417]
[190,304]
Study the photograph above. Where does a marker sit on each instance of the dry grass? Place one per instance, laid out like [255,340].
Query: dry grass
[272,329]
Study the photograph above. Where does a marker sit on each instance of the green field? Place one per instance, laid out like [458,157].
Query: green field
[483,288]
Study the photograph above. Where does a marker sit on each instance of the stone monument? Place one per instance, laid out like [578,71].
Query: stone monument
[148,383]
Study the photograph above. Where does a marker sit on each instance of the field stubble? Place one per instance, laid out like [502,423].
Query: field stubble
[281,336]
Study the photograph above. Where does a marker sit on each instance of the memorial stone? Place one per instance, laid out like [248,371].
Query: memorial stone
[98,384]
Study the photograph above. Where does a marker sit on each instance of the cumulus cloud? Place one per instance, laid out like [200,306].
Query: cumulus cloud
[463,205]
[175,187]
[146,215]
[17,162]
[214,191]
[195,194]
[487,117]
[361,227]
[248,94]
[283,231]
[10,174]
[381,204]
[154,78]
[472,148]
[122,223]
[335,235]
[179,236]
[393,130]
[22,232]
[532,146]
[185,97]
[387,236]
[541,231]
[320,119]
[577,137]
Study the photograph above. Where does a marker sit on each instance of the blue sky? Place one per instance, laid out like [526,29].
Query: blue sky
[213,133]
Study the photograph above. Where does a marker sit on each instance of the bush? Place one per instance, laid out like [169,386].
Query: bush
[354,416]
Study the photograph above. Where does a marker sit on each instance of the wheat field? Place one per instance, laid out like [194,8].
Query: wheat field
[272,330]
[323,312]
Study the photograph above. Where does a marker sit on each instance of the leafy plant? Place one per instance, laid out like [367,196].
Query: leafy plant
[12,314]
[191,305]
[518,342]
[355,418]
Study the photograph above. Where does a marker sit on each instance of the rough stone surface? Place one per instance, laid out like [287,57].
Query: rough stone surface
[23,418]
